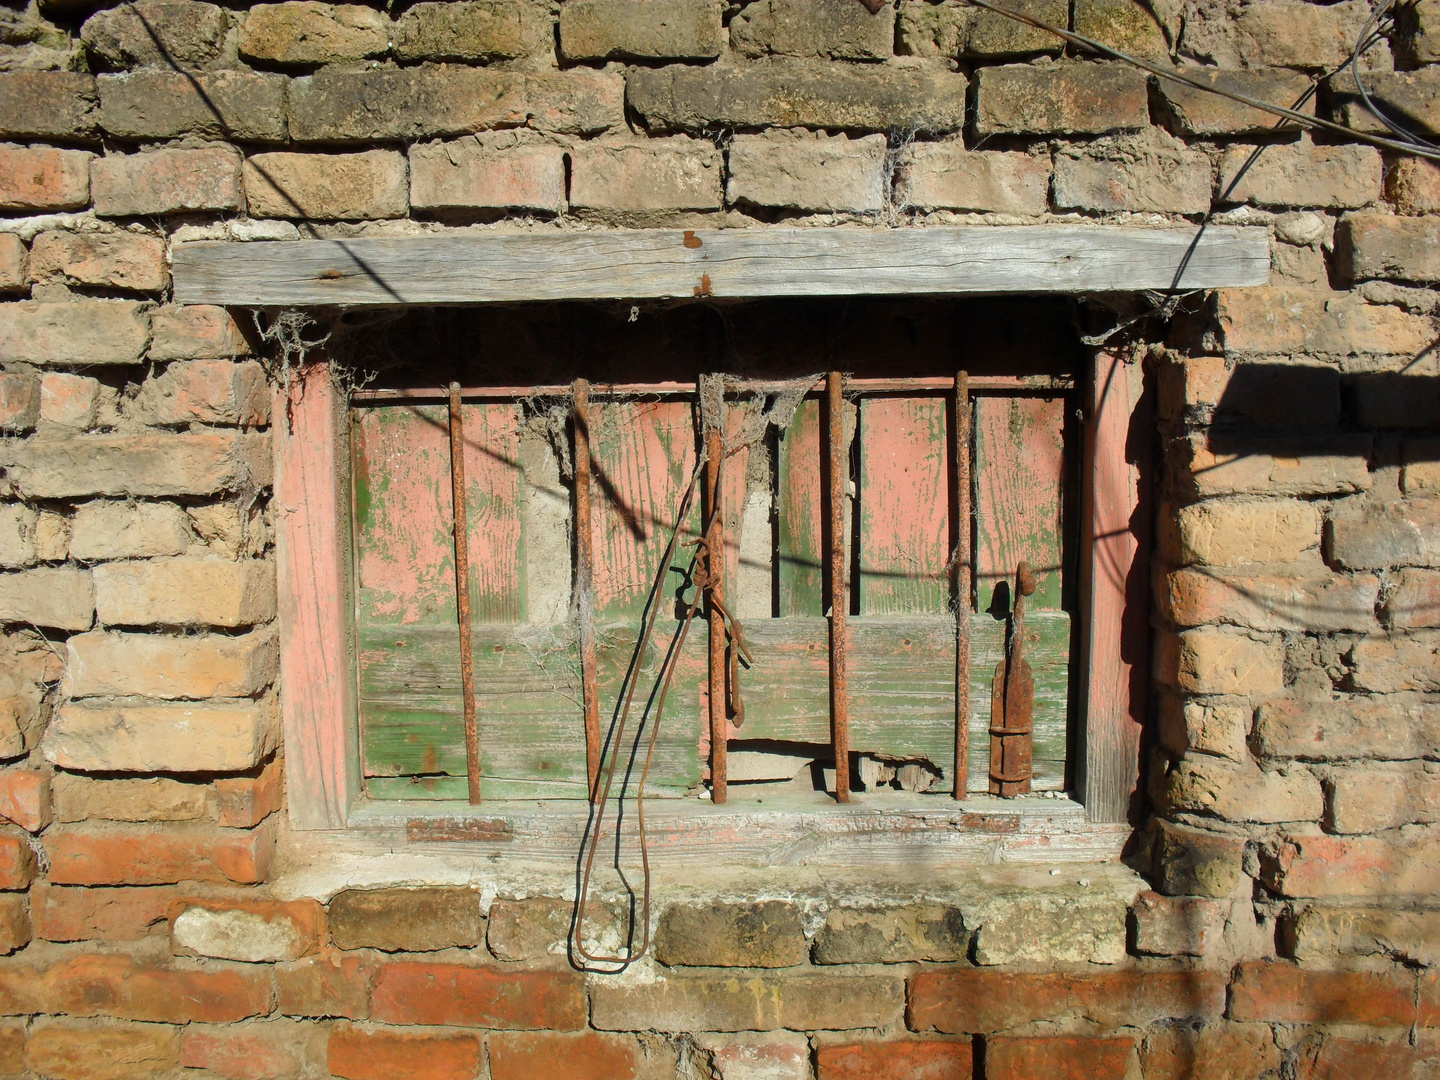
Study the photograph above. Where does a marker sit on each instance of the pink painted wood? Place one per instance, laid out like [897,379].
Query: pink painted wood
[1114,589]
[317,704]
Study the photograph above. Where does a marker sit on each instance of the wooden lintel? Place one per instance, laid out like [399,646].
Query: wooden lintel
[476,268]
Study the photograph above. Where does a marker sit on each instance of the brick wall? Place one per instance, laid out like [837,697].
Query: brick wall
[1291,789]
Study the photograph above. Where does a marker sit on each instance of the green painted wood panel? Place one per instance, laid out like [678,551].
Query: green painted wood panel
[799,560]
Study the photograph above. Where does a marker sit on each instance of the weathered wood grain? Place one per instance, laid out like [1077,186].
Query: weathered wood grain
[634,264]
[798,566]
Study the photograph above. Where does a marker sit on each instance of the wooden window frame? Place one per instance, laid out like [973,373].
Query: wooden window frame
[317,653]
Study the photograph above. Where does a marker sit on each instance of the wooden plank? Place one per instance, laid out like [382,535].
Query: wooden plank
[904,506]
[312,556]
[406,564]
[635,264]
[799,566]
[1114,589]
[1019,471]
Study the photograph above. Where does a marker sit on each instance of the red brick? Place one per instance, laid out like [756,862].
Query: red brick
[166,181]
[103,985]
[25,798]
[393,1055]
[1283,993]
[67,399]
[19,402]
[14,922]
[260,1051]
[914,1059]
[64,1051]
[126,855]
[458,994]
[17,861]
[245,801]
[39,178]
[974,1001]
[1061,1058]
[1387,865]
[1348,1059]
[1220,1052]
[331,985]
[120,914]
[542,1055]
[1430,1000]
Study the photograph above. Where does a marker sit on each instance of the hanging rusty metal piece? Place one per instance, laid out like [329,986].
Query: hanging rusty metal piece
[462,592]
[1012,702]
[712,414]
[839,475]
[584,583]
[960,567]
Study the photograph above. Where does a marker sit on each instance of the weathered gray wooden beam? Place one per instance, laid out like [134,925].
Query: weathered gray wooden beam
[658,263]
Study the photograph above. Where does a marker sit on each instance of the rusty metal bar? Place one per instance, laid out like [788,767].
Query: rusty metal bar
[462,591]
[961,568]
[1012,702]
[584,584]
[839,591]
[927,384]
[712,412]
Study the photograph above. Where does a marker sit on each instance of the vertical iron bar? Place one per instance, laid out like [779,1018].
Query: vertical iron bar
[584,584]
[839,590]
[462,591]
[962,584]
[713,420]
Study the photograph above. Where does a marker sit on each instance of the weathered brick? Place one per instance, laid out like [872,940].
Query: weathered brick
[1177,926]
[203,737]
[1414,600]
[1399,864]
[65,1050]
[1373,245]
[1354,727]
[891,935]
[259,1050]
[185,591]
[721,934]
[1320,934]
[307,32]
[17,535]
[19,399]
[1418,39]
[407,920]
[105,664]
[1243,792]
[116,914]
[1212,390]
[14,922]
[166,182]
[1063,1057]
[590,1055]
[25,798]
[217,105]
[17,860]
[1191,861]
[932,30]
[463,30]
[12,1048]
[923,1059]
[105,529]
[1127,25]
[407,103]
[1332,603]
[329,187]
[121,260]
[1285,319]
[123,987]
[75,332]
[254,931]
[1394,400]
[245,801]
[1371,535]
[1147,173]
[1280,992]
[141,465]
[59,597]
[1340,1058]
[461,995]
[1089,98]
[144,855]
[47,104]
[776,1055]
[660,174]
[973,1000]
[1218,660]
[1364,799]
[575,102]
[13,263]
[647,30]
[331,984]
[156,33]
[798,93]
[150,798]
[1413,185]
[52,536]
[1215,1052]
[944,175]
[1410,97]
[992,34]
[1072,926]
[1301,174]
[1192,111]
[749,1001]
[207,392]
[42,178]
[820,172]
[380,1055]
[70,401]
[528,929]
[468,174]
[195,332]
[1333,464]
[1392,665]
[1244,531]
[830,28]
[1210,728]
